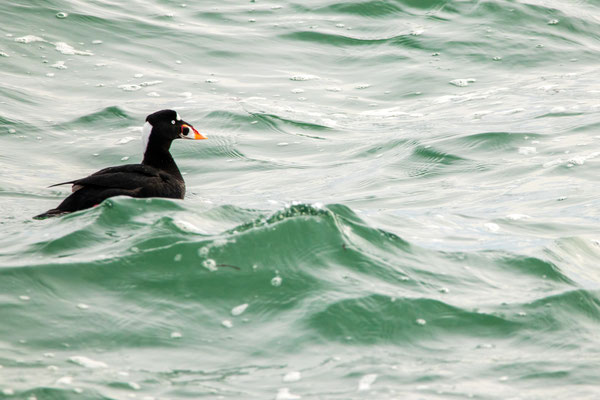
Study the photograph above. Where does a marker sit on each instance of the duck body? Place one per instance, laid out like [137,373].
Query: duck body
[157,175]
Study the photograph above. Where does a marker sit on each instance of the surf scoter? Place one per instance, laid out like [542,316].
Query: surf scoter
[156,176]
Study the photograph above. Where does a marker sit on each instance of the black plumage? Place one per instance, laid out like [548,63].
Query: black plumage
[156,176]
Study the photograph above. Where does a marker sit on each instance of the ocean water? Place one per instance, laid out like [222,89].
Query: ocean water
[398,200]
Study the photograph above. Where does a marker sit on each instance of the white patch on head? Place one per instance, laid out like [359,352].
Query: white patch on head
[146,130]
[178,117]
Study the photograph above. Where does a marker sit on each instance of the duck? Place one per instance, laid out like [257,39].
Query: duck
[156,176]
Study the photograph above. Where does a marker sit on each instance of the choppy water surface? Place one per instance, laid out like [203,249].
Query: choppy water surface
[398,200]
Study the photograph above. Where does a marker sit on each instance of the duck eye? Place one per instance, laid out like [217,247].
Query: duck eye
[173,122]
[185,130]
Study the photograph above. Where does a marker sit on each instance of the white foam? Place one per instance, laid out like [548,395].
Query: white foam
[210,265]
[87,362]
[462,81]
[580,160]
[29,39]
[187,226]
[292,376]
[227,323]
[65,380]
[305,77]
[176,335]
[517,217]
[150,83]
[130,88]
[239,310]
[492,227]
[284,394]
[125,140]
[276,281]
[366,381]
[59,65]
[527,150]
[66,49]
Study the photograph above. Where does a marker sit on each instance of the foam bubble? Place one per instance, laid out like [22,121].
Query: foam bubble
[292,376]
[59,65]
[187,226]
[366,381]
[66,49]
[129,88]
[306,77]
[284,394]
[210,264]
[150,83]
[276,281]
[492,227]
[462,82]
[238,310]
[227,323]
[527,150]
[29,39]
[516,217]
[87,362]
[65,380]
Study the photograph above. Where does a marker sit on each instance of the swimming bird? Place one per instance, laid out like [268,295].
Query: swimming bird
[156,176]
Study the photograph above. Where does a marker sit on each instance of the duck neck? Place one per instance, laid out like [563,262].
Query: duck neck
[159,157]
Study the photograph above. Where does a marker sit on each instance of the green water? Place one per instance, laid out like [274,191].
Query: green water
[397,200]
